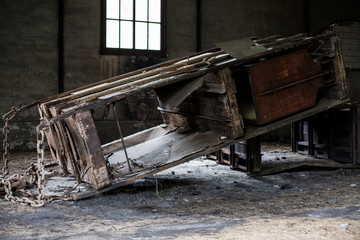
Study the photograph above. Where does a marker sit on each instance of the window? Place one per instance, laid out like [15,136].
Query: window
[133,27]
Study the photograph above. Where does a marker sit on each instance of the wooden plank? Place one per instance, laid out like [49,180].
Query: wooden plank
[54,140]
[236,118]
[253,155]
[267,39]
[212,84]
[305,162]
[339,69]
[91,159]
[164,151]
[199,103]
[137,138]
[356,159]
[209,111]
[116,89]
[285,40]
[63,96]
[322,105]
[65,152]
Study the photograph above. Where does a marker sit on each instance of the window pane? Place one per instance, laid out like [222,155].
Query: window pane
[112,9]
[141,35]
[126,38]
[112,33]
[154,10]
[154,36]
[127,9]
[141,10]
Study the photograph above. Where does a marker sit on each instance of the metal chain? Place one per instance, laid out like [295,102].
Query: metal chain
[6,143]
[40,166]
[28,198]
[38,173]
[6,146]
[34,173]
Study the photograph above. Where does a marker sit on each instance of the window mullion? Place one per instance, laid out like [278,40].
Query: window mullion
[147,24]
[119,23]
[134,12]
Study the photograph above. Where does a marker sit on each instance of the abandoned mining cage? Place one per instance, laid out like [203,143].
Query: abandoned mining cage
[209,101]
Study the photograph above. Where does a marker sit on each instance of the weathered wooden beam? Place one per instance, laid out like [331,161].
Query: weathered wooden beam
[253,155]
[155,73]
[140,81]
[92,164]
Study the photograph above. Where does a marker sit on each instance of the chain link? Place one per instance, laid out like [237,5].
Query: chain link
[6,146]
[6,143]
[33,173]
[40,164]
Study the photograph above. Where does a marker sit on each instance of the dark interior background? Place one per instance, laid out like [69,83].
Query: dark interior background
[30,48]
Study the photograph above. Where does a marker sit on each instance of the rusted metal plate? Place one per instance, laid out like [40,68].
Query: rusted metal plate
[242,48]
[284,85]
[171,96]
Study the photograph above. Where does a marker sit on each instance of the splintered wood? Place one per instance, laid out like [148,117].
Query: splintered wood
[201,98]
[211,106]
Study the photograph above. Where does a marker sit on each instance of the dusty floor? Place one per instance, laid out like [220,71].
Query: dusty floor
[201,200]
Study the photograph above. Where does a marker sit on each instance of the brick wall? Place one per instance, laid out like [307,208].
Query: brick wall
[349,34]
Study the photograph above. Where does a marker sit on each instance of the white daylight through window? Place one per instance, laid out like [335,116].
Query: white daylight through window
[133,24]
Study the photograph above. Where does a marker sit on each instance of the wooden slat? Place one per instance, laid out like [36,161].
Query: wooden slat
[137,138]
[130,78]
[285,40]
[209,111]
[236,118]
[88,144]
[64,149]
[356,127]
[166,81]
[137,83]
[267,39]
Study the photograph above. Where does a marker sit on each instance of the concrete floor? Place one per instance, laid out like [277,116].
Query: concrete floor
[202,200]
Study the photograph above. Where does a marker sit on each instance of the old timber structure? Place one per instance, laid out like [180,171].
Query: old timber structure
[208,101]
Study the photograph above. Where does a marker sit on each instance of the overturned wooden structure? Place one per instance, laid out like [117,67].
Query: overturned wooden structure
[208,100]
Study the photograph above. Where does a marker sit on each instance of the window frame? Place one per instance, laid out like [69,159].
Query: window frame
[119,51]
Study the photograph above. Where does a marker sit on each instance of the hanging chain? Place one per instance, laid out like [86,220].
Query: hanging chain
[40,164]
[6,146]
[6,143]
[34,173]
[17,183]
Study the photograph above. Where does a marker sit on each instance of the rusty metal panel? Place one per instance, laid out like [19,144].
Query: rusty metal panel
[242,48]
[284,85]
